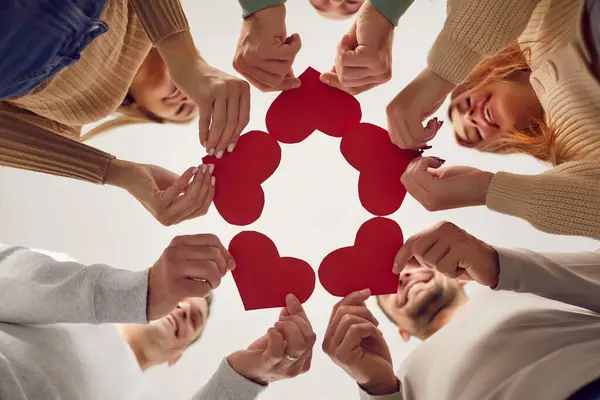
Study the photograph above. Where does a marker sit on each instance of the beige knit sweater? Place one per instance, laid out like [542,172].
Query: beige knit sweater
[565,199]
[41,130]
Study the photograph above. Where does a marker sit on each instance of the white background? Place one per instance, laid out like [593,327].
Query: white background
[311,208]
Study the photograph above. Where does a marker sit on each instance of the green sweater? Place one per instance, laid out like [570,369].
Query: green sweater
[392,9]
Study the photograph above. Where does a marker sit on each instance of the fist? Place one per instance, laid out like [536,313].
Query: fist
[192,266]
[453,252]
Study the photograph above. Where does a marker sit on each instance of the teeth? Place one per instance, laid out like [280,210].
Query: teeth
[486,111]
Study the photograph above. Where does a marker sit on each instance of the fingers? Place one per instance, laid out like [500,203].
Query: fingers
[303,326]
[275,351]
[203,209]
[293,307]
[180,185]
[344,313]
[201,240]
[205,110]
[296,344]
[243,121]
[353,336]
[217,123]
[193,288]
[194,197]
[202,271]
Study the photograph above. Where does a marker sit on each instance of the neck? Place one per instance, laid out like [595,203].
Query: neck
[137,342]
[445,315]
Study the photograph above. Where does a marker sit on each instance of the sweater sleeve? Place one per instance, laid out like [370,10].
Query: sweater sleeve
[474,30]
[161,18]
[392,9]
[11,386]
[30,146]
[36,289]
[364,395]
[227,384]
[249,7]
[572,278]
[564,200]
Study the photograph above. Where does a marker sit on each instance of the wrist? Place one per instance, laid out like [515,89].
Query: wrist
[235,360]
[276,12]
[179,50]
[382,385]
[482,185]
[118,173]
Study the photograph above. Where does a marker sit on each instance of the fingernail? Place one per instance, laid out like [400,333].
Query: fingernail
[293,299]
[441,123]
[425,147]
[211,152]
[194,171]
[220,154]
[435,119]
[325,79]
[296,84]
[211,168]
[439,159]
[231,147]
[396,268]
[204,168]
[212,180]
[365,292]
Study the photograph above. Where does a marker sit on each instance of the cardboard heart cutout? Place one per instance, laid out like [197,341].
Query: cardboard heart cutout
[295,114]
[367,264]
[239,196]
[381,164]
[262,277]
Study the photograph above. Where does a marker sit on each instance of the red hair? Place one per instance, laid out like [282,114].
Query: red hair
[508,65]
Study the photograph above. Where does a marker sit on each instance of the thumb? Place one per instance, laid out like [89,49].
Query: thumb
[331,79]
[425,163]
[294,43]
[289,83]
[180,184]
[348,42]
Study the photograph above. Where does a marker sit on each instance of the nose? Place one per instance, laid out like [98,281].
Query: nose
[404,277]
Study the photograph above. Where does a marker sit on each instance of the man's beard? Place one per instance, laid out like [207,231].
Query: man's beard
[422,311]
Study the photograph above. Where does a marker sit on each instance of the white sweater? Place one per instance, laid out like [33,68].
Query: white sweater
[51,347]
[515,346]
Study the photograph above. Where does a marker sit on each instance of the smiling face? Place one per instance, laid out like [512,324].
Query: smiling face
[337,9]
[153,90]
[422,297]
[497,109]
[169,336]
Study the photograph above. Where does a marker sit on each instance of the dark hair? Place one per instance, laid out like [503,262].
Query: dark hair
[209,300]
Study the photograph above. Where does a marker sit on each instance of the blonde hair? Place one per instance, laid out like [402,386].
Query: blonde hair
[126,115]
[538,139]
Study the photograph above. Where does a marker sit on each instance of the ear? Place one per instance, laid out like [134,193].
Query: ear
[404,334]
[173,361]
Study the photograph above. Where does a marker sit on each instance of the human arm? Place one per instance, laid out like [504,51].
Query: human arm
[564,200]
[246,373]
[36,289]
[354,343]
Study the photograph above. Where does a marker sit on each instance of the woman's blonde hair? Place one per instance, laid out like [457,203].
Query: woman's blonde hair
[508,65]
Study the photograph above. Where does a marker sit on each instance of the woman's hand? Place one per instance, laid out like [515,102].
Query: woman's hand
[415,103]
[445,188]
[169,197]
[223,100]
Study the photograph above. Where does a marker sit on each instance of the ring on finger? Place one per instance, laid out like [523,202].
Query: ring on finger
[291,358]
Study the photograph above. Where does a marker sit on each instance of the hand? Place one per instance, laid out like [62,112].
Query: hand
[265,54]
[453,252]
[192,266]
[223,100]
[416,102]
[170,198]
[354,343]
[264,361]
[445,188]
[364,56]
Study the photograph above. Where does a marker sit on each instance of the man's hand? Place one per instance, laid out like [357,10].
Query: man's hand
[170,198]
[192,266]
[415,103]
[453,252]
[265,360]
[265,53]
[445,188]
[364,55]
[354,343]
[223,100]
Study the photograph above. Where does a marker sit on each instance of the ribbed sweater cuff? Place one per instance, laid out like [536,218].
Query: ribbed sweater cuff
[452,60]
[161,18]
[249,7]
[28,147]
[392,9]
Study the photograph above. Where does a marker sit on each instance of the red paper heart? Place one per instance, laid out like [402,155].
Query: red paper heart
[367,264]
[239,197]
[381,164]
[295,114]
[262,277]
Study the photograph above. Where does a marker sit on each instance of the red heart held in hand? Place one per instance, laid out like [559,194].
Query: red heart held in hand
[381,164]
[297,113]
[262,277]
[239,197]
[367,264]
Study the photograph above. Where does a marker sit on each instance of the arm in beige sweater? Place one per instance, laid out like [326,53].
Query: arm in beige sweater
[25,145]
[572,278]
[564,200]
[474,30]
[161,18]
